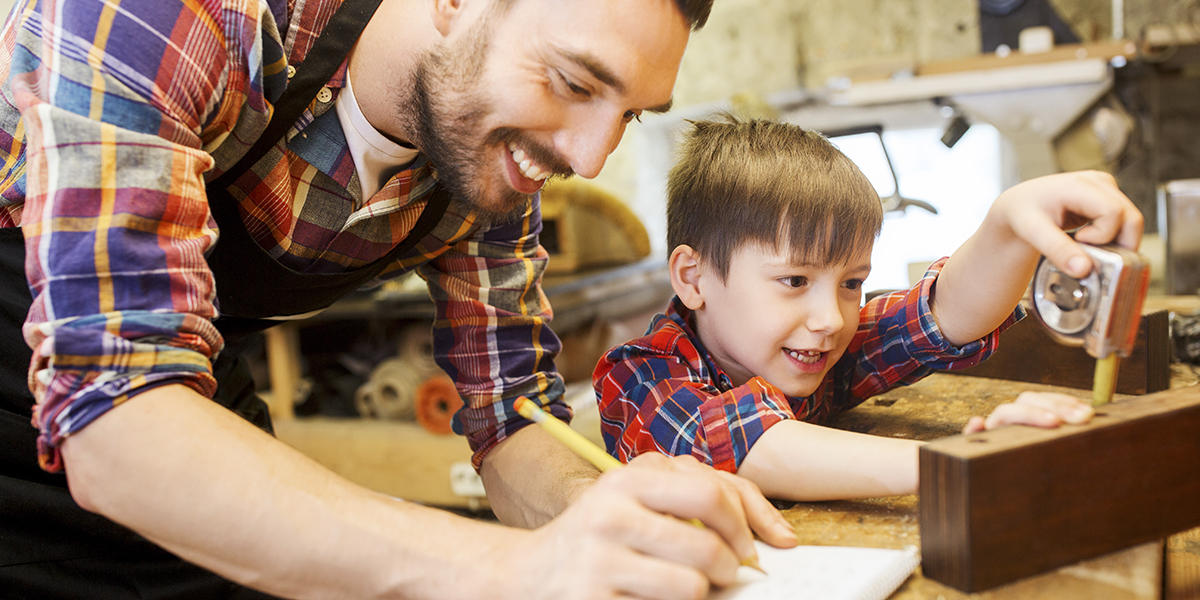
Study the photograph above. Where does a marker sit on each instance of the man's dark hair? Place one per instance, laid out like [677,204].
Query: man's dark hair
[695,11]
[772,183]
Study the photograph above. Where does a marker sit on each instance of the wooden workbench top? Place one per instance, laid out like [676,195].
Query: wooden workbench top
[938,407]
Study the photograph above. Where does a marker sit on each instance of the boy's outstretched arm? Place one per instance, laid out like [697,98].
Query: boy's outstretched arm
[986,277]
[803,462]
[799,461]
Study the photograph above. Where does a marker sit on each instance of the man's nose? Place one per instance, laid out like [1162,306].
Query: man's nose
[588,140]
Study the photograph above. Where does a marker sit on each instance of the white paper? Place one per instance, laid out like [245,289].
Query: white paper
[824,573]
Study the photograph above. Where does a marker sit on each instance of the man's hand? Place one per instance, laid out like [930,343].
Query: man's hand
[1038,409]
[629,534]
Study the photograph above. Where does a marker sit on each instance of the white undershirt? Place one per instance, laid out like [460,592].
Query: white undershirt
[376,158]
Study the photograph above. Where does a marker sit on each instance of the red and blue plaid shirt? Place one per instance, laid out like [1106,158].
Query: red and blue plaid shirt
[112,118]
[663,392]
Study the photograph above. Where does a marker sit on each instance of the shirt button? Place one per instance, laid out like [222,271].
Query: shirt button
[324,95]
[291,71]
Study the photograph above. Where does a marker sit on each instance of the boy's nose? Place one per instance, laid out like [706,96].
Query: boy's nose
[825,316]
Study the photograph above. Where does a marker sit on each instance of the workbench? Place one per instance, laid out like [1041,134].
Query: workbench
[939,406]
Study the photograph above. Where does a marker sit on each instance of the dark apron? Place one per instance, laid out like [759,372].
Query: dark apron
[49,547]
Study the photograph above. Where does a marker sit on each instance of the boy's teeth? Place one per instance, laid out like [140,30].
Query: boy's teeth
[807,356]
[525,164]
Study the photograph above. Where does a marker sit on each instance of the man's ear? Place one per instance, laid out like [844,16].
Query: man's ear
[686,271]
[443,13]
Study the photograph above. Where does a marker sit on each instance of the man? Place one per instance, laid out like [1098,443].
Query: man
[148,231]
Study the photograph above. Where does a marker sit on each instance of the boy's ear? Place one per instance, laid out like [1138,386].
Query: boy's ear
[443,13]
[685,270]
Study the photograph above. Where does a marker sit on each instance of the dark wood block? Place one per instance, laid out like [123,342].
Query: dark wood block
[1028,353]
[1009,503]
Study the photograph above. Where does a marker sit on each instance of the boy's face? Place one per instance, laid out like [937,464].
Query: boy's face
[787,323]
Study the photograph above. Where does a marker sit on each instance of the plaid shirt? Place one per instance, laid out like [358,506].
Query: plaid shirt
[112,118]
[663,392]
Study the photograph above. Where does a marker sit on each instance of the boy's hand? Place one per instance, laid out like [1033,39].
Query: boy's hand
[986,277]
[1039,210]
[1038,409]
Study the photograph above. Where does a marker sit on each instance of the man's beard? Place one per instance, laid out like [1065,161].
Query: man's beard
[449,111]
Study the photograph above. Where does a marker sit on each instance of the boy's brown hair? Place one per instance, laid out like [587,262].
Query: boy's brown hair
[774,183]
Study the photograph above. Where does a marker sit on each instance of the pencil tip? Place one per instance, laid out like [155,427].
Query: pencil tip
[752,562]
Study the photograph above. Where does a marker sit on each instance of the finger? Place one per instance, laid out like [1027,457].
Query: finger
[1069,408]
[1058,247]
[602,566]
[1021,414]
[1113,216]
[762,516]
[1093,196]
[974,425]
[683,487]
[652,578]
[681,542]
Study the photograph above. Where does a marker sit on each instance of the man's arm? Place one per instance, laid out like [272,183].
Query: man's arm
[532,478]
[986,277]
[232,499]
[209,487]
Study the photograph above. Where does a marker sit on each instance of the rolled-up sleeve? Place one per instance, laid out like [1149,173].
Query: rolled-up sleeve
[492,333]
[899,342]
[658,403]
[117,104]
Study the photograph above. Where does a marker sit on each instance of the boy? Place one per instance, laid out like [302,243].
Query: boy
[770,230]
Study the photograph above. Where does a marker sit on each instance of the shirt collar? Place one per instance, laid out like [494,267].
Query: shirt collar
[687,343]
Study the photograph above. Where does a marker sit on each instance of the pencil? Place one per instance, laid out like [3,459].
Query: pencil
[1105,380]
[587,450]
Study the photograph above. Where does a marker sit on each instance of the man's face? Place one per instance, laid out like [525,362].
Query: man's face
[785,322]
[541,88]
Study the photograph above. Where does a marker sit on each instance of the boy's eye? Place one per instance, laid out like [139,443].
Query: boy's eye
[795,281]
[632,116]
[854,284]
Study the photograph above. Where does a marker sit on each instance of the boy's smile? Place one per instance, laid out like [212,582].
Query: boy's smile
[772,318]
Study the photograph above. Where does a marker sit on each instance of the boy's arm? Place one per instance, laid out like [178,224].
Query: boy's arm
[660,404]
[805,462]
[986,277]
[750,430]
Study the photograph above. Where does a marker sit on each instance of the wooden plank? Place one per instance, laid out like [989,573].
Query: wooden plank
[1183,566]
[1028,353]
[283,361]
[1105,49]
[1005,504]
[397,458]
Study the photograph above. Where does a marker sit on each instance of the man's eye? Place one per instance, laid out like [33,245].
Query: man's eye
[632,116]
[575,88]
[795,281]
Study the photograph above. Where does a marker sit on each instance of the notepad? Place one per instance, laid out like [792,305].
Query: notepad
[823,572]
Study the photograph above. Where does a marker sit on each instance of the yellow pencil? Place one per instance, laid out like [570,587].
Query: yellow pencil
[587,450]
[1105,380]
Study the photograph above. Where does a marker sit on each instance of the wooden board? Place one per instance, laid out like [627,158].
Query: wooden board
[1028,353]
[1005,504]
[1182,572]
[397,458]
